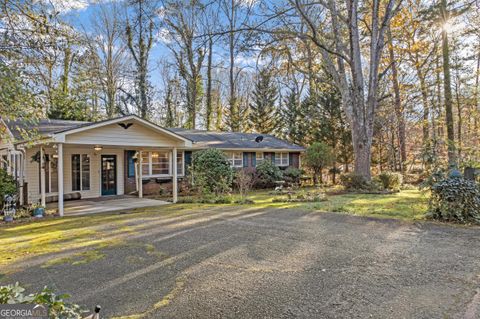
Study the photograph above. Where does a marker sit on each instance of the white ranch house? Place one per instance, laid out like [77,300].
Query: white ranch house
[126,155]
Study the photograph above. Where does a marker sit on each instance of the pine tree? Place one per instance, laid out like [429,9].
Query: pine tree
[170,116]
[263,112]
[291,117]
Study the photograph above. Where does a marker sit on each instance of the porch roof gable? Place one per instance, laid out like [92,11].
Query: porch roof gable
[61,136]
[59,130]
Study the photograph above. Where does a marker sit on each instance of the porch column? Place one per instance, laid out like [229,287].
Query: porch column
[140,184]
[21,164]
[175,179]
[42,177]
[60,178]
[9,163]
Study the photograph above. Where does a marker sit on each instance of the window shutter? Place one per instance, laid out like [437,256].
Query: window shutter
[245,159]
[188,161]
[254,159]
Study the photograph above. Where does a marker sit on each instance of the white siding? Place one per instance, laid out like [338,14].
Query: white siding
[32,170]
[31,175]
[113,134]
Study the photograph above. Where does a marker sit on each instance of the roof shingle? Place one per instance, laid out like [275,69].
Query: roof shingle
[201,138]
[41,127]
[235,140]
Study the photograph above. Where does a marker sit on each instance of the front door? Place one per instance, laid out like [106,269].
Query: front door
[109,175]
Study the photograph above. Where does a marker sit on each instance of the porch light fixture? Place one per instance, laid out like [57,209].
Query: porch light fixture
[98,148]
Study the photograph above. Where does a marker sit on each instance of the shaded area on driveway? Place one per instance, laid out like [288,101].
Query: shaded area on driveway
[105,204]
[247,262]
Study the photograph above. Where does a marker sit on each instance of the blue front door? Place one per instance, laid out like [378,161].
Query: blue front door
[109,175]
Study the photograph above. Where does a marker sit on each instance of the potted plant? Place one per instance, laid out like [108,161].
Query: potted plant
[8,215]
[38,210]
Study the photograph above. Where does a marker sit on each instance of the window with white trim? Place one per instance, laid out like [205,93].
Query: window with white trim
[259,158]
[160,163]
[80,172]
[145,163]
[180,156]
[155,163]
[51,174]
[281,159]
[235,158]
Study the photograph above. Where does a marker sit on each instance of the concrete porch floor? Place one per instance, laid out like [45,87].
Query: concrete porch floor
[105,204]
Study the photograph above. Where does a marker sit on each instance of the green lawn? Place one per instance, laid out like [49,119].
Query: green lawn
[407,204]
[50,235]
[94,232]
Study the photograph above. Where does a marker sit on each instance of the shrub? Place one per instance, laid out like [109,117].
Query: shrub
[317,157]
[436,176]
[244,201]
[244,180]
[222,200]
[408,187]
[390,180]
[57,306]
[212,172]
[7,185]
[268,174]
[455,199]
[292,175]
[352,181]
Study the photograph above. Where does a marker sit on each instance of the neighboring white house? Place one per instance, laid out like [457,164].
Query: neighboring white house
[70,159]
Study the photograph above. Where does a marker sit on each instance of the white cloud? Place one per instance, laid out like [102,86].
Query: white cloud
[65,6]
[164,35]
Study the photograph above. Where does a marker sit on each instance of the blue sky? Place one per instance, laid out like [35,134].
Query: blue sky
[80,18]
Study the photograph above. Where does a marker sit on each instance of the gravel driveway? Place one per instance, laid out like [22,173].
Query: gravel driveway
[231,262]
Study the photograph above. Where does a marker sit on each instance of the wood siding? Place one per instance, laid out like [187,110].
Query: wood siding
[32,171]
[113,134]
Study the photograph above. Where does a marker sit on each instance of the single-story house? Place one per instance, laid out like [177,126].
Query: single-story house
[125,155]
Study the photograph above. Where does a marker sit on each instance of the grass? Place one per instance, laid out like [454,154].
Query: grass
[406,204]
[83,238]
[51,235]
[76,259]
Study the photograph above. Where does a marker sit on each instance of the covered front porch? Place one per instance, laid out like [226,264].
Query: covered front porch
[74,168]
[122,203]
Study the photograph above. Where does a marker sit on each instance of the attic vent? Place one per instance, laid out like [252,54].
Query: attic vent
[125,125]
[259,138]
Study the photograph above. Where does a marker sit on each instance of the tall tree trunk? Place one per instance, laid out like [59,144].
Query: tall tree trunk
[170,118]
[459,115]
[66,68]
[111,88]
[398,104]
[232,99]
[218,111]
[436,110]
[426,111]
[476,95]
[452,158]
[209,108]
[362,145]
